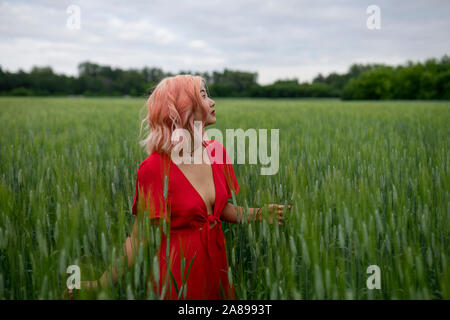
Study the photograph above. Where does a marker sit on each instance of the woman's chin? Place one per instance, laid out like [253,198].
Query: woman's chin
[210,121]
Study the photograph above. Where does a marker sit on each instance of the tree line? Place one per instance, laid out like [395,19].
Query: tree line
[428,80]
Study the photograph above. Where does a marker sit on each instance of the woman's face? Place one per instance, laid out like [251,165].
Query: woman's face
[207,101]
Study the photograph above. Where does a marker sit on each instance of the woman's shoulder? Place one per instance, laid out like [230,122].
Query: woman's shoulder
[151,166]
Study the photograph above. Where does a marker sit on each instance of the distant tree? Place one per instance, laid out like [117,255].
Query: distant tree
[428,80]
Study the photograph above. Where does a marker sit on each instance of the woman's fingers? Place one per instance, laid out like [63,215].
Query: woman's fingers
[68,294]
[281,213]
[276,211]
[274,206]
[282,206]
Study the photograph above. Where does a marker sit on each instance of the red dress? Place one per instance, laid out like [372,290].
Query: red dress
[190,233]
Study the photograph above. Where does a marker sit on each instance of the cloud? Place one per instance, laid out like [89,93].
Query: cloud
[197,44]
[277,39]
[140,30]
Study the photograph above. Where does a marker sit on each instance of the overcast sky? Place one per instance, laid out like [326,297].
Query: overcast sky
[278,39]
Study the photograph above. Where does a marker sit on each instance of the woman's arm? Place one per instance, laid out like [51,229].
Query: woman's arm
[130,248]
[231,213]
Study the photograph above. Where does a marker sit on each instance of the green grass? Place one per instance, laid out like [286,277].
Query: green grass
[368,181]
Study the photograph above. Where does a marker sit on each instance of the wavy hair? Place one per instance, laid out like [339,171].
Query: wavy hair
[171,106]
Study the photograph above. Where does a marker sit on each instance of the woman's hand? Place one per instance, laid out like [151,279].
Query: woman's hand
[275,212]
[68,293]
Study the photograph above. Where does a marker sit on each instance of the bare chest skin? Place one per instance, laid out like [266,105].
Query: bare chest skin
[201,178]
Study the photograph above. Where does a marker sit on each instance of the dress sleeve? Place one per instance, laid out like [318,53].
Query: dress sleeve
[230,176]
[134,207]
[149,191]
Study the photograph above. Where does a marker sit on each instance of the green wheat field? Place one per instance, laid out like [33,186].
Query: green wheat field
[368,182]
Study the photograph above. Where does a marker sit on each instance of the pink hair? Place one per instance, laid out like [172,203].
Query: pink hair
[171,106]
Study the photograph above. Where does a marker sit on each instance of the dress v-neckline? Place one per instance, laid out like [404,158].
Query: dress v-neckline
[195,190]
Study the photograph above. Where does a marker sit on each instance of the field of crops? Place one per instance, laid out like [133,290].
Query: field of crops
[368,181]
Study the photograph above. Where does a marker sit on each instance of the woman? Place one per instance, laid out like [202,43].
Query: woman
[191,197]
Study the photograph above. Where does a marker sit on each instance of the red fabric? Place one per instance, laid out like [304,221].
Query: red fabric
[208,277]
